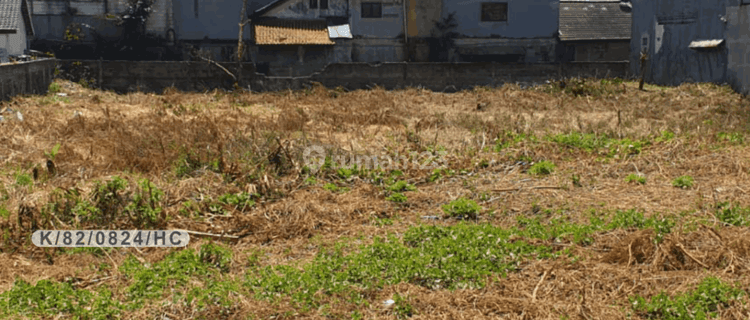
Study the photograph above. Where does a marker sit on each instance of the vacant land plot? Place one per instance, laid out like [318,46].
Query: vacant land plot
[577,200]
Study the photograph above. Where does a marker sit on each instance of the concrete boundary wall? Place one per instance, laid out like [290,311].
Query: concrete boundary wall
[155,76]
[31,77]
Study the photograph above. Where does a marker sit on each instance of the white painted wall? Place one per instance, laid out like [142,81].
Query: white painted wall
[14,43]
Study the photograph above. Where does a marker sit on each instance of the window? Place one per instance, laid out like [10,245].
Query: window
[313,4]
[324,4]
[495,11]
[372,10]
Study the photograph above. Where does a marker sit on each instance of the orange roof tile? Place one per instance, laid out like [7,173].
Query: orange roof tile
[294,32]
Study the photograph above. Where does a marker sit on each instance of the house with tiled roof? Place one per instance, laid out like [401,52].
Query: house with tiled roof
[15,28]
[299,37]
[595,30]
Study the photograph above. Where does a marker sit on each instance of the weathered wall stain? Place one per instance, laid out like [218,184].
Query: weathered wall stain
[31,77]
[669,27]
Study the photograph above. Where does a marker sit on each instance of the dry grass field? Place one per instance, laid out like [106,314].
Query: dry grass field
[588,200]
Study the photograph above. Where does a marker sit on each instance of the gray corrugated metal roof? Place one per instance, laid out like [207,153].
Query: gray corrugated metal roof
[12,14]
[594,20]
[342,31]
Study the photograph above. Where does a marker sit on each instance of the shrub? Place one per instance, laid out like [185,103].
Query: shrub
[107,197]
[462,208]
[216,255]
[635,178]
[542,168]
[401,186]
[54,87]
[397,197]
[144,208]
[683,182]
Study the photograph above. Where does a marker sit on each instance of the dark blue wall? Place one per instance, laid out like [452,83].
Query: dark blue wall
[670,26]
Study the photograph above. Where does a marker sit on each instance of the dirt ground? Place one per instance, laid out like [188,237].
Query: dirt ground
[229,143]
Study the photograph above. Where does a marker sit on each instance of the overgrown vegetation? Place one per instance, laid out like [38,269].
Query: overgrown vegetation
[704,302]
[495,229]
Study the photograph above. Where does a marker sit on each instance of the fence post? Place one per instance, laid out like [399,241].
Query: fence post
[100,72]
[29,88]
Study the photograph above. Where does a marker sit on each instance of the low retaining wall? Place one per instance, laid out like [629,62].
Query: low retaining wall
[155,76]
[30,77]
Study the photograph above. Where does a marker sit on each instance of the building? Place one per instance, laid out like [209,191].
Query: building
[737,44]
[16,28]
[211,26]
[684,40]
[594,30]
[75,29]
[299,37]
[51,17]
[187,25]
[503,31]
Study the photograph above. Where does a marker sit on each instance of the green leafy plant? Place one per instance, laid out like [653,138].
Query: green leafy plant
[605,145]
[632,218]
[86,211]
[731,137]
[576,180]
[401,186]
[703,302]
[401,307]
[635,178]
[334,188]
[311,180]
[145,206]
[216,255]
[54,87]
[733,214]
[542,168]
[665,136]
[108,197]
[4,213]
[435,175]
[462,208]
[53,152]
[24,179]
[49,298]
[239,201]
[175,270]
[683,182]
[346,173]
[397,197]
[509,139]
[459,256]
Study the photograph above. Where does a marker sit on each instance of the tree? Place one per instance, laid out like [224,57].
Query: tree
[240,42]
[133,21]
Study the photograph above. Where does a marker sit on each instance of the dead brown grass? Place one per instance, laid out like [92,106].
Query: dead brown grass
[253,143]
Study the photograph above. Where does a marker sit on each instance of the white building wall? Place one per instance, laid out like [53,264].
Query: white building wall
[14,43]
